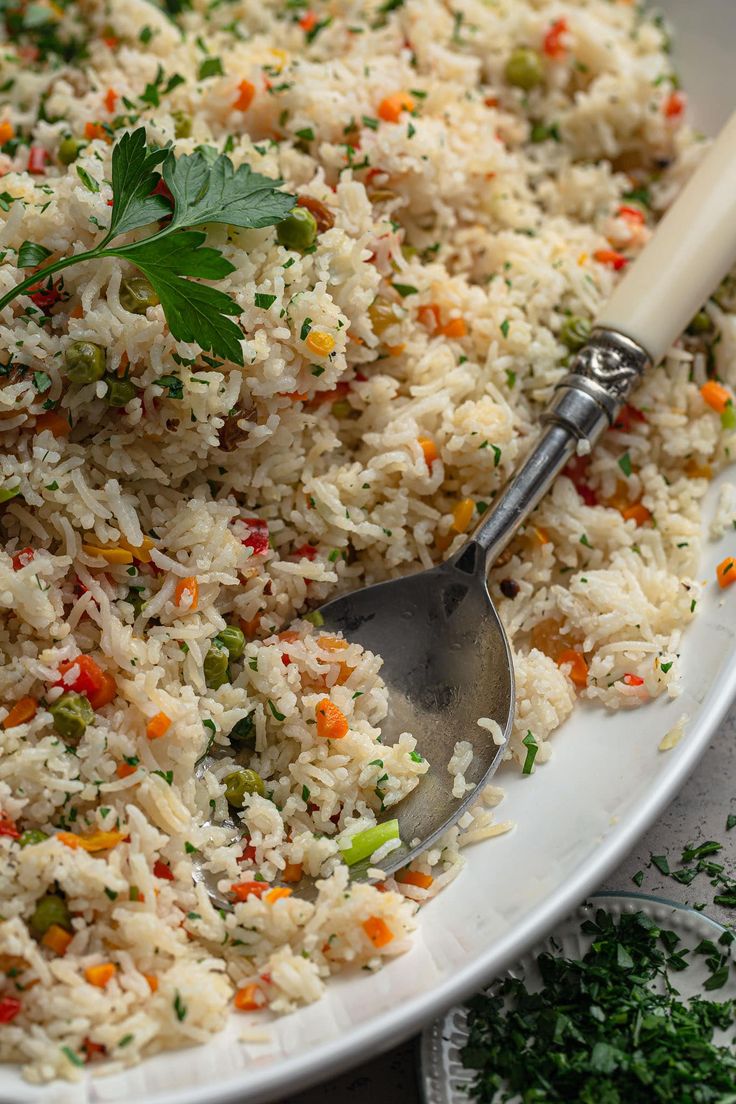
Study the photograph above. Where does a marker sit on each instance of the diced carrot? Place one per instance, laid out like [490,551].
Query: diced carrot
[429,449]
[158,726]
[292,872]
[106,693]
[578,666]
[611,258]
[101,975]
[392,106]
[716,395]
[96,130]
[111,98]
[56,939]
[429,316]
[332,723]
[277,894]
[246,999]
[395,350]
[8,827]
[377,931]
[6,132]
[243,890]
[92,1049]
[332,643]
[726,572]
[308,21]
[462,515]
[24,710]
[152,982]
[289,637]
[553,46]
[454,328]
[124,770]
[415,878]
[633,680]
[250,628]
[540,535]
[637,513]
[77,312]
[674,105]
[187,593]
[57,424]
[95,841]
[246,92]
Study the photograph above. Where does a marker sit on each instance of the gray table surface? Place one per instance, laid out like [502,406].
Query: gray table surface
[698,813]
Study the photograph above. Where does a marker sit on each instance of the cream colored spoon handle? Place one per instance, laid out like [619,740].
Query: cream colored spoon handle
[691,251]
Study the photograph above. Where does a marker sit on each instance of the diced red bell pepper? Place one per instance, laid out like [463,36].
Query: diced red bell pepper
[9,1009]
[631,214]
[7,827]
[633,680]
[576,471]
[23,558]
[257,537]
[45,297]
[37,158]
[626,416]
[307,21]
[163,870]
[553,45]
[93,1050]
[82,675]
[306,552]
[612,258]
[249,853]
[674,105]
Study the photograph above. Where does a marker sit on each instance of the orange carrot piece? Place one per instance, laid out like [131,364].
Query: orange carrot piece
[429,316]
[429,449]
[636,513]
[6,132]
[246,92]
[578,666]
[124,770]
[415,878]
[726,572]
[454,328]
[462,515]
[107,692]
[187,592]
[377,931]
[24,710]
[111,98]
[152,982]
[716,395]
[95,841]
[243,890]
[332,724]
[158,726]
[245,1000]
[392,106]
[57,939]
[611,258]
[292,872]
[277,894]
[101,975]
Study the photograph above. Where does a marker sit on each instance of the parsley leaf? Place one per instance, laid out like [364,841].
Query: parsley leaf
[133,182]
[31,254]
[217,192]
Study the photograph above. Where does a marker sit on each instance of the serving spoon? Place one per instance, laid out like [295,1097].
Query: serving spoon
[447,660]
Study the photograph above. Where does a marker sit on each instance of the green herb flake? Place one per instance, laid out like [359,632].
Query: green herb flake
[179,1007]
[31,254]
[89,182]
[274,710]
[532,747]
[405,289]
[624,462]
[264,301]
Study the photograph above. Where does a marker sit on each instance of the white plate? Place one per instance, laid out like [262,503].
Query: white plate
[577,817]
[444,1079]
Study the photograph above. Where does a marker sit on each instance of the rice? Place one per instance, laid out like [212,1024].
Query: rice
[465,237]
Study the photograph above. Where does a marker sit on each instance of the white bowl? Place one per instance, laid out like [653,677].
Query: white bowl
[576,819]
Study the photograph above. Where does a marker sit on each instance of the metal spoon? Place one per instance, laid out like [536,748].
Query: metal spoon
[447,658]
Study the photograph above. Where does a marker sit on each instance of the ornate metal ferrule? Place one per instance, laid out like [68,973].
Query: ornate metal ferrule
[601,377]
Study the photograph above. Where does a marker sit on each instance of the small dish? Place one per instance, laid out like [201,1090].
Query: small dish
[443,1078]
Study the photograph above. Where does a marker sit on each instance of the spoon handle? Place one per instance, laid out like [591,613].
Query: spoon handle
[691,251]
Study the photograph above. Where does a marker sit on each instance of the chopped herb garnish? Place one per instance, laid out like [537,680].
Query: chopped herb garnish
[531,754]
[274,710]
[624,462]
[179,1007]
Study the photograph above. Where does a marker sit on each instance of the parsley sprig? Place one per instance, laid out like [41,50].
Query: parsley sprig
[206,188]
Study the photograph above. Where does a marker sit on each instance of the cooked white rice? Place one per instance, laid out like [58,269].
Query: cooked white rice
[496,222]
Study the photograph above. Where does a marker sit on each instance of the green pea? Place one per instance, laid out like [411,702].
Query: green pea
[51,909]
[182,124]
[524,68]
[119,391]
[702,323]
[31,836]
[315,618]
[241,782]
[341,408]
[84,361]
[574,332]
[298,230]
[216,665]
[137,295]
[243,733]
[234,640]
[68,150]
[72,713]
